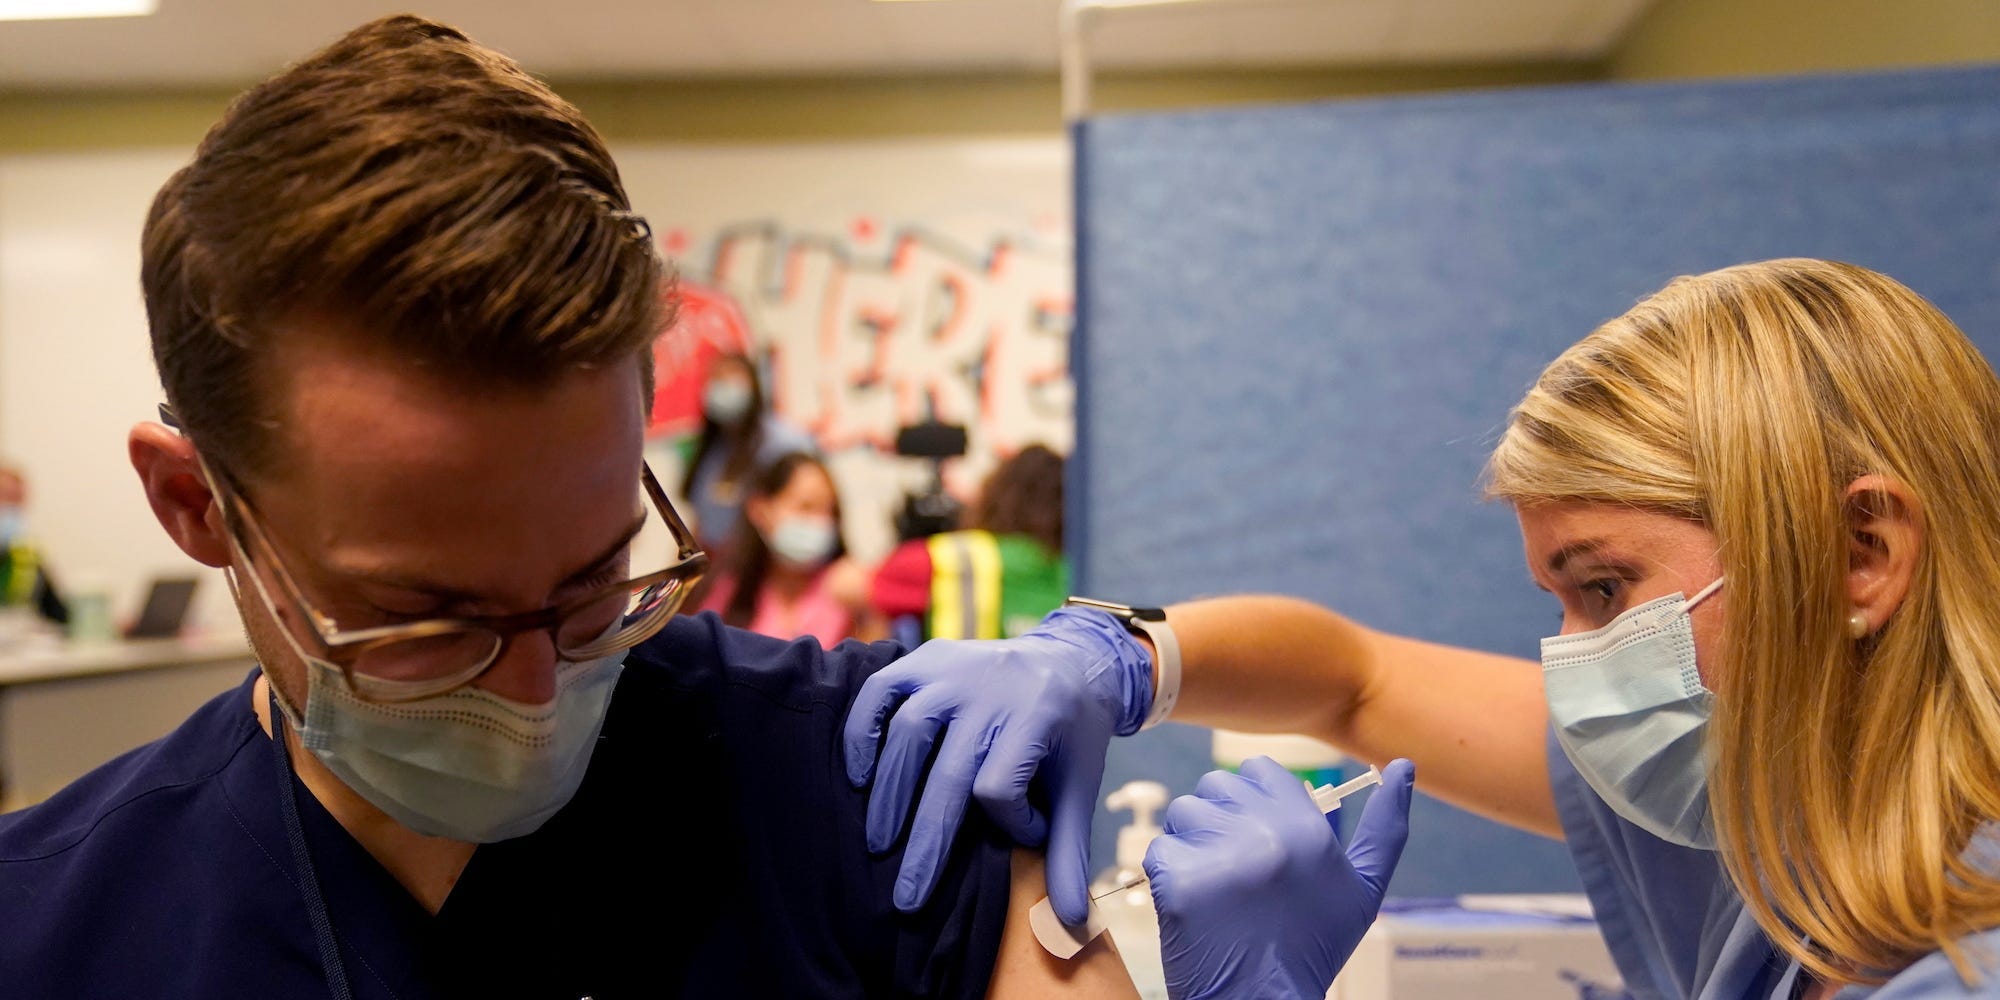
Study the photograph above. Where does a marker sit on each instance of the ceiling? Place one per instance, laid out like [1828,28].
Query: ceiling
[228,42]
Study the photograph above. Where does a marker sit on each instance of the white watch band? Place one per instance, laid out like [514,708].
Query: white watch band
[1167,657]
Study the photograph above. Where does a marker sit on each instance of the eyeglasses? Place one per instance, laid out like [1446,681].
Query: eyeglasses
[412,660]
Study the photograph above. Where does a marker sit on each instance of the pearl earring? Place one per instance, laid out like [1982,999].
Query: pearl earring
[1857,625]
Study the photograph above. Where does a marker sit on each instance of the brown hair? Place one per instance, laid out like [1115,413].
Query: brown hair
[1023,496]
[420,189]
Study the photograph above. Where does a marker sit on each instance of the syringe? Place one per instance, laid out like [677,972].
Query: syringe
[1064,941]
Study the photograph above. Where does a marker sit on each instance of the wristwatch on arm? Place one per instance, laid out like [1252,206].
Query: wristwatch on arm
[1151,623]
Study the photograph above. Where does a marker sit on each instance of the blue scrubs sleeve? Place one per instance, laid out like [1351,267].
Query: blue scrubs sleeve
[804,908]
[1933,977]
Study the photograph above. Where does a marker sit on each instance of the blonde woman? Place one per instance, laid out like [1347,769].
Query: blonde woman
[1768,501]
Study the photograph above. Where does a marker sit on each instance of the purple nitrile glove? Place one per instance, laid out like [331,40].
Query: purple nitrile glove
[1045,704]
[1256,899]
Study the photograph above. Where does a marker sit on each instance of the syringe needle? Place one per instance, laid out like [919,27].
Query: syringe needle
[1131,883]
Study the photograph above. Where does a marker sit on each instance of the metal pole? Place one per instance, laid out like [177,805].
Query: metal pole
[1071,23]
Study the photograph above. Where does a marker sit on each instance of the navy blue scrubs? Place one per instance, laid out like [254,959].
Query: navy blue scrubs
[713,850]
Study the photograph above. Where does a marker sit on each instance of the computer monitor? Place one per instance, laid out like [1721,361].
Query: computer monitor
[166,609]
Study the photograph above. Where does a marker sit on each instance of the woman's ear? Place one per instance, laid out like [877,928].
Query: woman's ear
[178,492]
[1885,535]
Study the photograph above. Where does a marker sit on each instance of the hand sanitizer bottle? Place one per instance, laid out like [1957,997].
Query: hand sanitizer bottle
[1316,763]
[1129,916]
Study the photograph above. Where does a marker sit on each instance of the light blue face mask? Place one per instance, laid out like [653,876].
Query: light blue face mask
[725,402]
[466,764]
[804,541]
[13,524]
[1630,712]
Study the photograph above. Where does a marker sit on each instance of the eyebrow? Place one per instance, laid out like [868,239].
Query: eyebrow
[449,593]
[1563,555]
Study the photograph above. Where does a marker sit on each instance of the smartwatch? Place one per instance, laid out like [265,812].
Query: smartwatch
[1151,623]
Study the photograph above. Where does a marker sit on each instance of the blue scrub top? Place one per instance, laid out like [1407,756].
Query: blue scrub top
[713,850]
[1677,927]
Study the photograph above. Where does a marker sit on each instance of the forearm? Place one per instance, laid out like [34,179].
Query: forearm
[1268,664]
[1473,722]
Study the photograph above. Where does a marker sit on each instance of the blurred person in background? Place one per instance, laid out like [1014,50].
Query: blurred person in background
[786,541]
[24,571]
[995,577]
[739,435]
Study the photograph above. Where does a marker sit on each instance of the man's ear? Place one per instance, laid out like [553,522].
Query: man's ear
[178,492]
[1885,535]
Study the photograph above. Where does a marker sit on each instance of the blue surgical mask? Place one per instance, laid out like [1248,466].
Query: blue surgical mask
[725,402]
[467,764]
[1630,712]
[803,541]
[13,525]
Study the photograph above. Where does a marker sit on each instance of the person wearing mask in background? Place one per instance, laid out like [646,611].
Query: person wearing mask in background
[25,580]
[1767,501]
[787,537]
[739,435]
[403,314]
[995,577]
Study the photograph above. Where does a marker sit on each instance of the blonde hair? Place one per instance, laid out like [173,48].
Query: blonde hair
[1847,778]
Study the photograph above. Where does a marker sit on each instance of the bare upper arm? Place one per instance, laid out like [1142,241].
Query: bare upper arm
[1026,970]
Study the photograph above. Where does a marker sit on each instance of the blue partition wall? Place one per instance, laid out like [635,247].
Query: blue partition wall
[1300,330]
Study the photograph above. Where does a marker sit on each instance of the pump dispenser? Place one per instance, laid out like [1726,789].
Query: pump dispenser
[1145,799]
[1129,916]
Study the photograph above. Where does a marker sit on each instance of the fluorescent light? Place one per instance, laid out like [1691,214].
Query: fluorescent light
[54,10]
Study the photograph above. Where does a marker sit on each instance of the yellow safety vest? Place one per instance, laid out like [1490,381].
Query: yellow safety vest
[965,585]
[23,567]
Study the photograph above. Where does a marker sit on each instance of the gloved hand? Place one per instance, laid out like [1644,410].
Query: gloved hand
[1044,704]
[1255,897]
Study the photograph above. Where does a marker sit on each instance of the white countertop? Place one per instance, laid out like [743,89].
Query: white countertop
[52,659]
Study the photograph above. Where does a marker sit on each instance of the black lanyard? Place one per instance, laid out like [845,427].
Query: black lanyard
[322,921]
